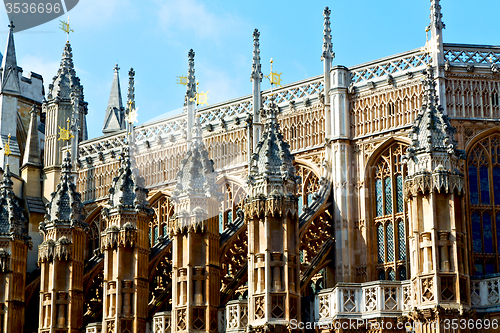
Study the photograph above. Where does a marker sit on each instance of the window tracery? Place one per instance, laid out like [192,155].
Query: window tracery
[309,186]
[483,175]
[389,212]
[163,209]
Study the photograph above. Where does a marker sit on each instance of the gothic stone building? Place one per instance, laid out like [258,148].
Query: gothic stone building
[366,194]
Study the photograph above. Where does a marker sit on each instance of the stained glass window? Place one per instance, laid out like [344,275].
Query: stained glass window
[474,194]
[483,168]
[380,244]
[221,222]
[380,200]
[389,211]
[392,275]
[477,242]
[381,275]
[165,230]
[229,217]
[399,193]
[485,187]
[487,235]
[388,196]
[390,242]
[402,273]
[300,205]
[155,231]
[401,241]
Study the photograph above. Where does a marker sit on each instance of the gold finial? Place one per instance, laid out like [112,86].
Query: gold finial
[7,147]
[132,115]
[274,77]
[66,28]
[64,133]
[200,98]
[182,80]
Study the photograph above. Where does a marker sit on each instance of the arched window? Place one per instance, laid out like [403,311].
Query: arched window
[163,209]
[483,174]
[309,186]
[389,212]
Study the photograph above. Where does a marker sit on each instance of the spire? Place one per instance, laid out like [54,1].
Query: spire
[65,206]
[190,94]
[433,150]
[32,150]
[196,186]
[126,192]
[114,120]
[10,73]
[12,220]
[196,175]
[256,68]
[62,83]
[191,82]
[131,89]
[436,16]
[328,54]
[271,165]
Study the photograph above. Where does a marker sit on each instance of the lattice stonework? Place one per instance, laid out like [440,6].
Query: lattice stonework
[324,306]
[409,62]
[377,112]
[469,98]
[388,207]
[349,300]
[278,306]
[259,307]
[370,299]
[483,175]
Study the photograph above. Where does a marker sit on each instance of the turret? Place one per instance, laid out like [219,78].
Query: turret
[125,245]
[195,233]
[65,102]
[13,257]
[61,257]
[271,214]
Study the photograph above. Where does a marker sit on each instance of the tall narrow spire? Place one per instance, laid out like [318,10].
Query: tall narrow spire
[131,89]
[130,107]
[255,126]
[256,68]
[32,150]
[10,73]
[190,94]
[327,54]
[191,81]
[114,119]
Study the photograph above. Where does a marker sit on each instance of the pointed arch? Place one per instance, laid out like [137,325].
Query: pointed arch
[388,225]
[483,201]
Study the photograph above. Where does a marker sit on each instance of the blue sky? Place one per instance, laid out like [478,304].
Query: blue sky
[154,36]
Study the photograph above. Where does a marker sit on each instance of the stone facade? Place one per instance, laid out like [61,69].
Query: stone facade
[367,193]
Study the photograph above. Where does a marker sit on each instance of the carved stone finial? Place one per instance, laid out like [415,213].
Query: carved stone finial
[436,15]
[327,37]
[256,67]
[191,81]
